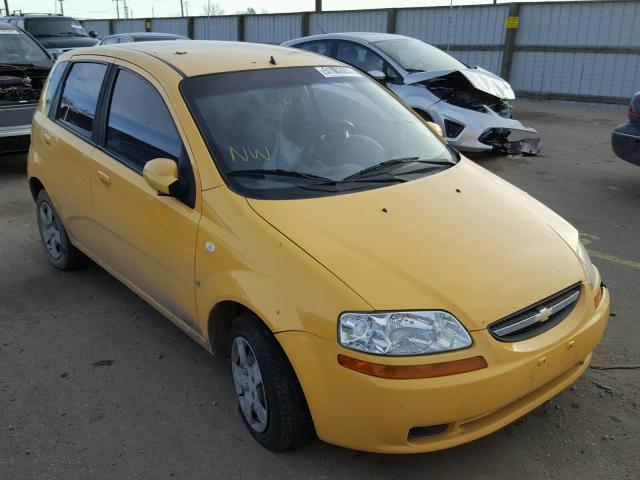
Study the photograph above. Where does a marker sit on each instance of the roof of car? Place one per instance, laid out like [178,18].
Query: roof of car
[146,34]
[41,15]
[201,57]
[367,36]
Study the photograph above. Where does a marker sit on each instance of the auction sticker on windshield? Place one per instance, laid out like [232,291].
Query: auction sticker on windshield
[337,72]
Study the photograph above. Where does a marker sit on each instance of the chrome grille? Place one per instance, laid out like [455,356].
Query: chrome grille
[536,318]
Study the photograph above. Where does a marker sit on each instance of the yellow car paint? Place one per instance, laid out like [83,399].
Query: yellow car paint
[463,241]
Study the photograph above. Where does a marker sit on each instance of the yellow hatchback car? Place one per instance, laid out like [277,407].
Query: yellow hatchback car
[368,283]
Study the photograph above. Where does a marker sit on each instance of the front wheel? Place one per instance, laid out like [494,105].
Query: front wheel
[271,401]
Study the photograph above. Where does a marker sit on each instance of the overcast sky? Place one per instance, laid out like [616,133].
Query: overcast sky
[170,8]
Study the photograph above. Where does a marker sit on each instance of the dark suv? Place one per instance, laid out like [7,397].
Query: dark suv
[24,66]
[55,32]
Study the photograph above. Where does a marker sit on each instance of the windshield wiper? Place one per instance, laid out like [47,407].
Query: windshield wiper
[318,181]
[260,172]
[396,161]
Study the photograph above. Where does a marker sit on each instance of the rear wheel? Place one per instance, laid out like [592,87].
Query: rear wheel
[59,250]
[271,401]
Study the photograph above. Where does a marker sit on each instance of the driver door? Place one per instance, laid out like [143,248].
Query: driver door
[147,240]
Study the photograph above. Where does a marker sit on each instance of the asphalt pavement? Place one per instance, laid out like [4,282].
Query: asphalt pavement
[96,384]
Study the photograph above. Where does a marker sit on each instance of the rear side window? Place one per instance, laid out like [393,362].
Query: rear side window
[323,48]
[139,126]
[80,97]
[52,86]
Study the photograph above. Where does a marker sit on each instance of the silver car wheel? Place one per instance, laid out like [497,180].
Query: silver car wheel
[249,386]
[50,231]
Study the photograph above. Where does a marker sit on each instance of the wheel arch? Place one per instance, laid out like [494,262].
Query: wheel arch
[35,186]
[221,317]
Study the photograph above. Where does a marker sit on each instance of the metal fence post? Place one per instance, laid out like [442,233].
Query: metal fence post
[391,20]
[190,27]
[241,28]
[509,43]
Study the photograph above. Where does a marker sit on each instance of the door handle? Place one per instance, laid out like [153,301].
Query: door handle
[104,178]
[48,139]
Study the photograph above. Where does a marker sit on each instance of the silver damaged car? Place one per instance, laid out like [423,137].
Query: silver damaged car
[471,105]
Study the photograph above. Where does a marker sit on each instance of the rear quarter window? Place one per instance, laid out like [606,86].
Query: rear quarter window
[55,76]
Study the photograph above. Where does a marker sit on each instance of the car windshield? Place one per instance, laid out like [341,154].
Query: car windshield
[16,48]
[54,27]
[416,56]
[309,131]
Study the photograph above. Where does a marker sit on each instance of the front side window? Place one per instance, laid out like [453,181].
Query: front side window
[54,27]
[52,85]
[309,131]
[416,56]
[139,126]
[80,96]
[18,48]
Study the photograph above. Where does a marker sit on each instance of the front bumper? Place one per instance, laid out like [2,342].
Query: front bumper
[476,124]
[15,120]
[375,414]
[625,142]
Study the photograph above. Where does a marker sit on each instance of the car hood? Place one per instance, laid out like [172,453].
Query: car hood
[67,42]
[480,78]
[461,240]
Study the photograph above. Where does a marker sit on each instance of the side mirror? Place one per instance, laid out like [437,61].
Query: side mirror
[435,128]
[377,75]
[162,175]
[93,34]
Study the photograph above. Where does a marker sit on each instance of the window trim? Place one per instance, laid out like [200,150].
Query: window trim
[90,140]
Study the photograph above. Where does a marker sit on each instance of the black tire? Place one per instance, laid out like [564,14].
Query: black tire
[289,424]
[57,246]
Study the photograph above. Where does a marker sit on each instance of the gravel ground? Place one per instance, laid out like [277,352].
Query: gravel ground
[96,384]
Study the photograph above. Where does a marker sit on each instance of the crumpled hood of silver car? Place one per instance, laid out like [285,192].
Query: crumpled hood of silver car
[480,78]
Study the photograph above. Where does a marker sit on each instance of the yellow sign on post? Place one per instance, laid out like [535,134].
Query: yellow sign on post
[512,22]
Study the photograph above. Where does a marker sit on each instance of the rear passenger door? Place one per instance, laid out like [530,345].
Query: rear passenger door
[147,240]
[65,144]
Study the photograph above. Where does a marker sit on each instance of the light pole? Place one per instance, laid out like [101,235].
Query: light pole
[117,9]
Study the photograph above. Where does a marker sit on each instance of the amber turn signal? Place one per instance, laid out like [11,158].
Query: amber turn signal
[407,372]
[597,297]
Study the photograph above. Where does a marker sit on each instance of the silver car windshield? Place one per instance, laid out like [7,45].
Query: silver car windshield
[416,56]
[18,48]
[304,124]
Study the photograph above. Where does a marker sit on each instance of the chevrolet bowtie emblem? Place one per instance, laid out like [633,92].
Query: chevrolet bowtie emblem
[544,314]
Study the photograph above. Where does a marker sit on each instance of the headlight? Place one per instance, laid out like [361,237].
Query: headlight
[588,266]
[402,333]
